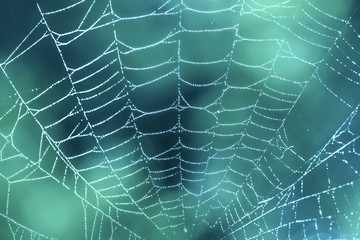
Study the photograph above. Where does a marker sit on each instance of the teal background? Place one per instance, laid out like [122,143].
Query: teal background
[195,119]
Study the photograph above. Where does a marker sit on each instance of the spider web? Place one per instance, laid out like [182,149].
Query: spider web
[183,119]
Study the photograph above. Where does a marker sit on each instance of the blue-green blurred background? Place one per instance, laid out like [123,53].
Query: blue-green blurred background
[194,119]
